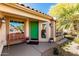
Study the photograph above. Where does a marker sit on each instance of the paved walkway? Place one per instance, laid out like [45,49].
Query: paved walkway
[28,50]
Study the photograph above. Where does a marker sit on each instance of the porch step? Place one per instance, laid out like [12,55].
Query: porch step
[35,42]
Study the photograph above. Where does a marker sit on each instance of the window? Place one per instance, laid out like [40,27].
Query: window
[43,31]
[16,30]
[16,27]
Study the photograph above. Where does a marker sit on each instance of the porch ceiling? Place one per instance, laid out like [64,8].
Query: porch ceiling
[8,10]
[28,10]
[5,14]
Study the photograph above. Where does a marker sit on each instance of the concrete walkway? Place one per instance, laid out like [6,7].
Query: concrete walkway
[30,50]
[26,50]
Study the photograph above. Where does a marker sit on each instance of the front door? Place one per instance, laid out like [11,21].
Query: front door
[34,30]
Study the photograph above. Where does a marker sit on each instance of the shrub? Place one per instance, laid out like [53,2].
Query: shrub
[70,37]
[76,40]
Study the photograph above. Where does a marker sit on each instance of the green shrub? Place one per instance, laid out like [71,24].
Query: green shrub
[76,40]
[70,37]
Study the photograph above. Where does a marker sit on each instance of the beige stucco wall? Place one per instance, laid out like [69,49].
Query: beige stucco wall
[3,33]
[2,36]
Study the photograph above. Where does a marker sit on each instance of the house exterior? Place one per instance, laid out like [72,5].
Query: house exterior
[19,23]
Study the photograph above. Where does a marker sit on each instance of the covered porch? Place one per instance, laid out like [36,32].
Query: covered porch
[35,25]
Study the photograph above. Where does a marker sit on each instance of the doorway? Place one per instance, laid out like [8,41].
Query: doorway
[33,30]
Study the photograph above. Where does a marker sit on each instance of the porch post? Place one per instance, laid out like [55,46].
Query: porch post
[53,30]
[7,30]
[1,35]
[1,16]
[27,29]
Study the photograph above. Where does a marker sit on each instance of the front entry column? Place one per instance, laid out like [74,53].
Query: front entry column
[53,31]
[2,34]
[27,29]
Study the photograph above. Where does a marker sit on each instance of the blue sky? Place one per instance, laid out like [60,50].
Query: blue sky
[16,24]
[43,7]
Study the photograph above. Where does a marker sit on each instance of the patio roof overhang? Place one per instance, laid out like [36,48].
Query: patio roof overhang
[22,11]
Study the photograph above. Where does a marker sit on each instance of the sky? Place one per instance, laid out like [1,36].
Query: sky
[43,7]
[16,24]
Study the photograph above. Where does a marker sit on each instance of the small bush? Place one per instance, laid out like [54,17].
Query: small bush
[70,37]
[76,40]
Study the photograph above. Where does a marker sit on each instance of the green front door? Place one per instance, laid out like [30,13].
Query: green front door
[34,30]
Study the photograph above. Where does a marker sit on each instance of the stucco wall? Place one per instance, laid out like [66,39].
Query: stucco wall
[3,33]
[2,36]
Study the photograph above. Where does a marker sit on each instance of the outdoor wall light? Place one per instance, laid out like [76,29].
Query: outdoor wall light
[3,20]
[50,25]
[54,18]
